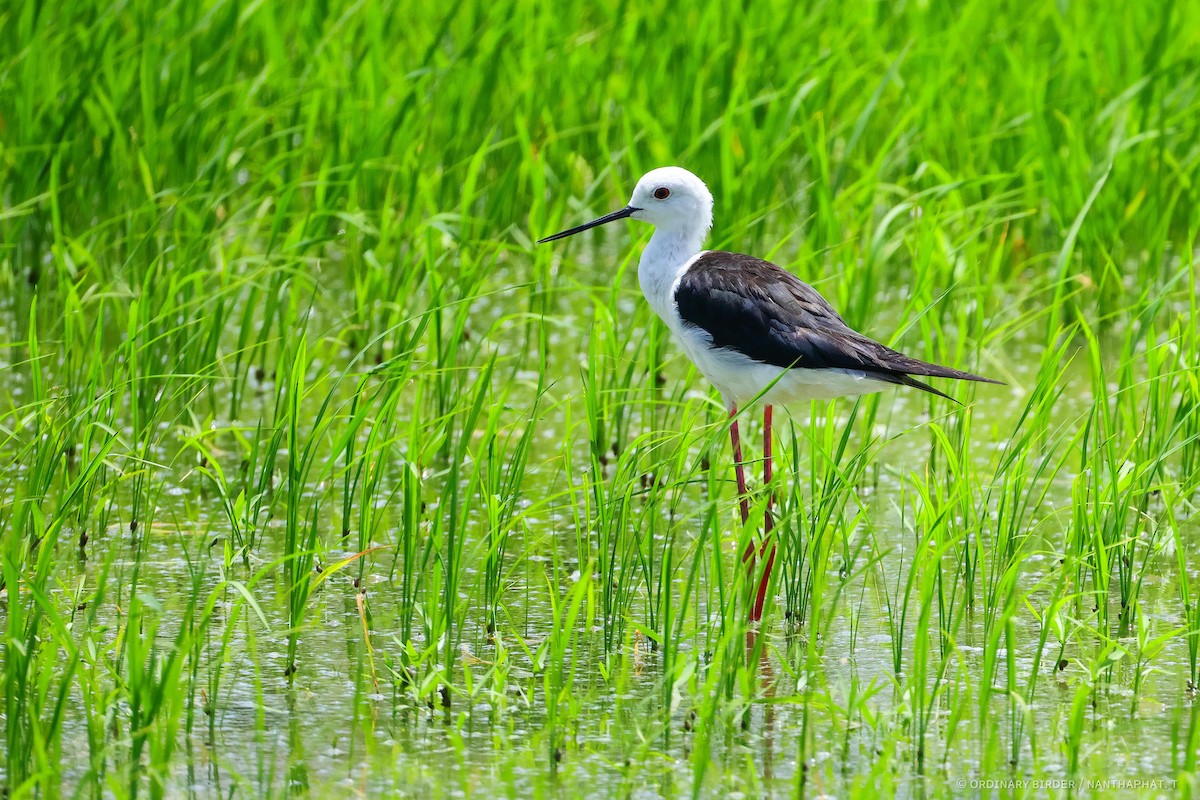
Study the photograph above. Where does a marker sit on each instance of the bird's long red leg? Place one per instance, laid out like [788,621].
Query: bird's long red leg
[738,468]
[743,496]
[761,598]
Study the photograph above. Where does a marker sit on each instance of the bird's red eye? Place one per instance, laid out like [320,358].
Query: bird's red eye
[662,193]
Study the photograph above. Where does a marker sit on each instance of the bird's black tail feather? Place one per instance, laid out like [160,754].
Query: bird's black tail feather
[902,369]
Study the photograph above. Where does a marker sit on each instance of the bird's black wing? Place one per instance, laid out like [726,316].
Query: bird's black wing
[769,315]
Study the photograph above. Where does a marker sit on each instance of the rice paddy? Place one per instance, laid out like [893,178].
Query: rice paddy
[320,479]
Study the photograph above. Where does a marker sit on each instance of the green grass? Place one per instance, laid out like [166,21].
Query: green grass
[319,474]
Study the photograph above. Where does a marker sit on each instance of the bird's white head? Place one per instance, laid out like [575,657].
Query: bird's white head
[670,198]
[674,199]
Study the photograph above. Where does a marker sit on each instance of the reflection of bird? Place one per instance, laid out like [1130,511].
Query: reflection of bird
[756,331]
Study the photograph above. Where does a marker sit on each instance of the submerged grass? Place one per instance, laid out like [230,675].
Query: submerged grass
[319,475]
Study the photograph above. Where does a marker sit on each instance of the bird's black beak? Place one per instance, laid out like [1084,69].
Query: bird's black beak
[627,211]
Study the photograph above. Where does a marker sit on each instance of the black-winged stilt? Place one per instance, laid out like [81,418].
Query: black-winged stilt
[757,332]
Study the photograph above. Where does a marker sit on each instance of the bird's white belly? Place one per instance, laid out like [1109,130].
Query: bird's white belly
[742,380]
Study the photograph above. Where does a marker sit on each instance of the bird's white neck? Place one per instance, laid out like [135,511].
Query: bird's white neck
[670,250]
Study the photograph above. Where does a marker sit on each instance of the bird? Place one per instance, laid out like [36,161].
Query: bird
[754,330]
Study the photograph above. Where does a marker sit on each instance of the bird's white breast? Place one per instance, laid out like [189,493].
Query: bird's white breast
[664,261]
